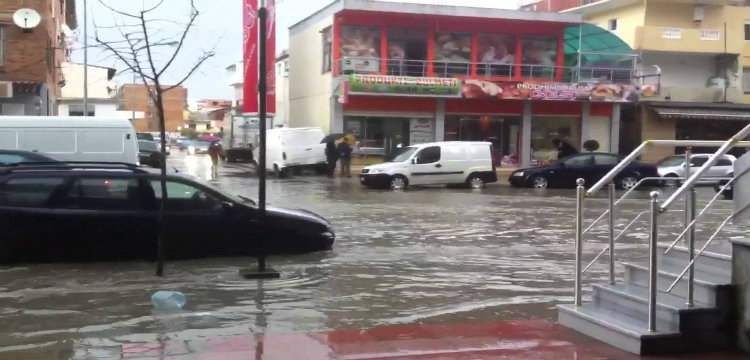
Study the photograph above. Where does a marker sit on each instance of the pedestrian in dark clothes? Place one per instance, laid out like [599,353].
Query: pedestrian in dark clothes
[564,149]
[345,155]
[332,156]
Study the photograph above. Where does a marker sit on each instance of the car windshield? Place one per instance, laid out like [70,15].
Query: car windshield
[675,160]
[236,198]
[403,154]
[145,136]
[147,145]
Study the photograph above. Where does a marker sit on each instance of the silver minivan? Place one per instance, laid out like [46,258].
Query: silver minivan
[673,167]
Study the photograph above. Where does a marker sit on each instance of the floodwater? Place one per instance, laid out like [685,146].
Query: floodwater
[424,256]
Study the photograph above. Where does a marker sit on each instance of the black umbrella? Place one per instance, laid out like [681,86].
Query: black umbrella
[332,137]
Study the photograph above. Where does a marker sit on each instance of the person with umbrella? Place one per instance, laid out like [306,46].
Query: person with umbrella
[564,149]
[215,151]
[345,155]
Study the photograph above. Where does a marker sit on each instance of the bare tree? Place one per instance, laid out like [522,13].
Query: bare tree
[138,45]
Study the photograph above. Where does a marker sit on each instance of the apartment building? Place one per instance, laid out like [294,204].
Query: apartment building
[702,52]
[30,61]
[135,97]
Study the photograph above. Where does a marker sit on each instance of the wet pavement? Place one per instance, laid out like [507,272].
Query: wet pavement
[418,259]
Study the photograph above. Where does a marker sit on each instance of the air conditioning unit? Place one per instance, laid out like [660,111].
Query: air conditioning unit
[699,13]
[6,89]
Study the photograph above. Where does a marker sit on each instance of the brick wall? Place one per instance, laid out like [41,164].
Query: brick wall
[135,97]
[35,55]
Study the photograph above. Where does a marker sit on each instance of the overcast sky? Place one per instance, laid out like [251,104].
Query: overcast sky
[219,27]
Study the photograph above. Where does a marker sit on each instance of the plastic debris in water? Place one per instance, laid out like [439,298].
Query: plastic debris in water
[168,300]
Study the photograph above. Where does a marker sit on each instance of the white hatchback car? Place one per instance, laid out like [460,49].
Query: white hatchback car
[674,167]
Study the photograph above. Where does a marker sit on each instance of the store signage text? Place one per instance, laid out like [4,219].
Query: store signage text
[383,84]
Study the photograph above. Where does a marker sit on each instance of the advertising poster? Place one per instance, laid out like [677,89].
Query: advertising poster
[496,49]
[360,42]
[421,131]
[383,84]
[477,89]
[453,47]
[539,50]
[250,56]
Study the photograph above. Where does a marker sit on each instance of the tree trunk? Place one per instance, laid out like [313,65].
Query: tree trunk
[160,255]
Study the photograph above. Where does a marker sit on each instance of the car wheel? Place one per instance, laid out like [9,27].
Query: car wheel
[671,181]
[539,182]
[628,182]
[475,182]
[399,182]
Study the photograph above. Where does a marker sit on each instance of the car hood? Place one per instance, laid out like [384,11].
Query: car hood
[297,215]
[384,166]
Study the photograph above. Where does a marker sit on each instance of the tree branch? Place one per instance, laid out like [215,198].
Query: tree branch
[193,15]
[195,67]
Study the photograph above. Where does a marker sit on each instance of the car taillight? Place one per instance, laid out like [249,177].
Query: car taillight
[107,182]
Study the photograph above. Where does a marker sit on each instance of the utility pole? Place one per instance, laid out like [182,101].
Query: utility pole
[85,60]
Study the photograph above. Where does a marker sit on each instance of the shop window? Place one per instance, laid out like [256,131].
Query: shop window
[538,57]
[612,25]
[452,54]
[429,155]
[497,55]
[360,49]
[407,52]
[747,30]
[327,50]
[544,130]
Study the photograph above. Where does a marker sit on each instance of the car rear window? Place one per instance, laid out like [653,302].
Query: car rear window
[28,192]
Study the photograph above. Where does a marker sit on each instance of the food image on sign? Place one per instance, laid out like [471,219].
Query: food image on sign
[477,89]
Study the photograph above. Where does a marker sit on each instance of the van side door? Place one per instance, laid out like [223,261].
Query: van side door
[426,167]
[456,164]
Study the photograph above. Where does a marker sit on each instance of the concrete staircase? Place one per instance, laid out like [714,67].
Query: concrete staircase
[618,314]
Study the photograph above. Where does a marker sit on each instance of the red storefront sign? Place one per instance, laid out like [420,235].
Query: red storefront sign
[477,89]
[250,57]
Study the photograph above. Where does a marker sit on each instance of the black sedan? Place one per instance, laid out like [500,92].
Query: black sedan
[8,157]
[149,154]
[83,213]
[592,167]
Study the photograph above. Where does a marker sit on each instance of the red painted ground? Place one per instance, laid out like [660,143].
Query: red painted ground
[506,340]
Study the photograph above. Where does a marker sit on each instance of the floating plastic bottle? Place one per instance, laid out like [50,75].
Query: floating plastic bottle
[168,300]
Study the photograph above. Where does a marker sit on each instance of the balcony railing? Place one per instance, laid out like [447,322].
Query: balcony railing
[489,71]
[688,40]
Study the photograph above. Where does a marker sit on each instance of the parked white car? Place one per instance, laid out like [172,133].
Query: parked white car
[449,163]
[673,167]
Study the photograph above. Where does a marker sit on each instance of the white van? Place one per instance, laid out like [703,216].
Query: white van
[452,162]
[71,138]
[293,148]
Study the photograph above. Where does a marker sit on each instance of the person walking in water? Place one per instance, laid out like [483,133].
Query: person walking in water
[332,156]
[215,151]
[345,155]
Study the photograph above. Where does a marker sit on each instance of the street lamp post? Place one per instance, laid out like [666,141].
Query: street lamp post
[85,60]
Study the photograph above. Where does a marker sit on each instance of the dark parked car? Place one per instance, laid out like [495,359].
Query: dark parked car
[149,154]
[728,192]
[8,157]
[592,167]
[109,212]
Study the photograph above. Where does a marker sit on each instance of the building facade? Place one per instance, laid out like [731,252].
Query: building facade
[135,97]
[702,50]
[30,61]
[101,92]
[397,74]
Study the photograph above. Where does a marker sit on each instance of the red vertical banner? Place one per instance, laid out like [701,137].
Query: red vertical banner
[250,57]
[271,56]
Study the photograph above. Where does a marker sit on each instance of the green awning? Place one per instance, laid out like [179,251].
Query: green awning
[597,47]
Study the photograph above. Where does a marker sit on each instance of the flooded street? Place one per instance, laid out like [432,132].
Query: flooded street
[424,256]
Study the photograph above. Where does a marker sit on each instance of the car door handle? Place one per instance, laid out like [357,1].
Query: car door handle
[308,149]
[438,165]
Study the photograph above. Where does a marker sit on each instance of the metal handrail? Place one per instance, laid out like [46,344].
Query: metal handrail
[616,238]
[700,252]
[648,143]
[725,147]
[689,226]
[628,192]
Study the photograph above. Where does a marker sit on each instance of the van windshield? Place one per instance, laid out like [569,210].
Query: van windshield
[403,154]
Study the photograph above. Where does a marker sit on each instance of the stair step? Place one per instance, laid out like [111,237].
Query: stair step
[709,289]
[618,330]
[719,264]
[672,314]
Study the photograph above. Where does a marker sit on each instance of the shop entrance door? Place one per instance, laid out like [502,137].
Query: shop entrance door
[395,133]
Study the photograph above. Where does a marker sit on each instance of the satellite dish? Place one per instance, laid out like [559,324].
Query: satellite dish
[26,19]
[65,30]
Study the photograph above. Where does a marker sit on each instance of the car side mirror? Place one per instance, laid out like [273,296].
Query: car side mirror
[227,206]
[414,160]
